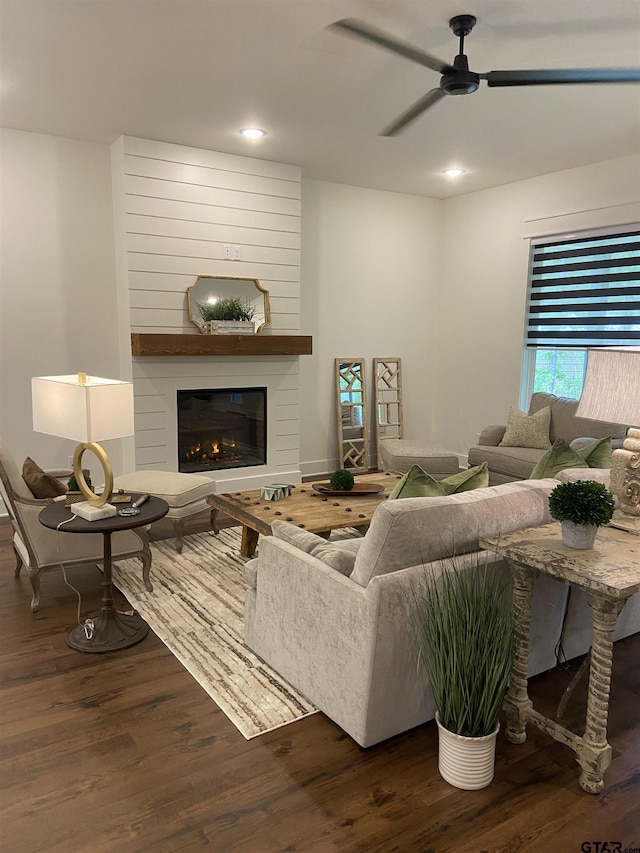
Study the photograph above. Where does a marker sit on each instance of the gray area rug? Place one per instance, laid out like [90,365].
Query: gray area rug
[196,609]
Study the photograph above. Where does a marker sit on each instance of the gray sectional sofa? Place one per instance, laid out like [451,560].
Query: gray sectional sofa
[331,617]
[507,464]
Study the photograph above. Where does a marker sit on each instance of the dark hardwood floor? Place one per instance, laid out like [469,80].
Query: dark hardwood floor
[125,752]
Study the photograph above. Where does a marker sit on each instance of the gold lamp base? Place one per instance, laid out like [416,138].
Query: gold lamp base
[95,506]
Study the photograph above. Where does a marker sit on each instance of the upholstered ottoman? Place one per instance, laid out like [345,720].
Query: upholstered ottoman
[399,454]
[185,493]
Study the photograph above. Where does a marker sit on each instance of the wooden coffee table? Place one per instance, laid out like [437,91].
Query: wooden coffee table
[305,508]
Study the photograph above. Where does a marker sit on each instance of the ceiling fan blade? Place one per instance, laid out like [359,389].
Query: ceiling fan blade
[552,76]
[368,33]
[413,112]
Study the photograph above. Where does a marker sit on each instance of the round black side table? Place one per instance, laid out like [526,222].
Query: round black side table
[111,630]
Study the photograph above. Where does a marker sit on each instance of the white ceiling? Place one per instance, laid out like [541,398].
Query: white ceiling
[193,72]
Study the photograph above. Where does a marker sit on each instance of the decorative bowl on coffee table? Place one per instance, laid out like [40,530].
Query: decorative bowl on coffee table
[356,491]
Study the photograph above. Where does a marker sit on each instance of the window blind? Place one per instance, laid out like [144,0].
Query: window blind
[585,292]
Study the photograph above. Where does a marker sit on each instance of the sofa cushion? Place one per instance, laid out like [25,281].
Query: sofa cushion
[41,484]
[565,424]
[417,483]
[177,489]
[296,536]
[340,559]
[600,475]
[418,530]
[340,555]
[515,463]
[525,430]
[397,455]
[250,573]
[596,454]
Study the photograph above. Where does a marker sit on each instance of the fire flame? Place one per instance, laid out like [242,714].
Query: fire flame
[212,450]
[204,451]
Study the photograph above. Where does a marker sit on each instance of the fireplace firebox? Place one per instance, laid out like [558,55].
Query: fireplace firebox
[221,428]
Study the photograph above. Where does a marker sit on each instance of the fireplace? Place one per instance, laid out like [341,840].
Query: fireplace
[221,428]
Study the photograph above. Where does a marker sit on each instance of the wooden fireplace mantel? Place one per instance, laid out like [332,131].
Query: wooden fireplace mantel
[212,345]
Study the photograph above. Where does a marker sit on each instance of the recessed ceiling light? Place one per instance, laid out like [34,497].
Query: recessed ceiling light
[253,132]
[453,173]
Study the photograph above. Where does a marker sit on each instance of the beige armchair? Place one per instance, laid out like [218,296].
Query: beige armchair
[41,549]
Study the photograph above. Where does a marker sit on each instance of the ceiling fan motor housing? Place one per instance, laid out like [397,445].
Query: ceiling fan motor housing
[460,81]
[456,79]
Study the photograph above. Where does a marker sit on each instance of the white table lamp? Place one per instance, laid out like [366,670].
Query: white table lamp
[611,392]
[87,409]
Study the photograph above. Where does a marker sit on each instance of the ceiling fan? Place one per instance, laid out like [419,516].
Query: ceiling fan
[457,79]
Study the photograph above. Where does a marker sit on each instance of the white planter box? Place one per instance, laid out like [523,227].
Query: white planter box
[230,327]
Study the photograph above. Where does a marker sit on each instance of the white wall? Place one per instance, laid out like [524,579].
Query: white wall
[482,304]
[181,205]
[57,279]
[176,207]
[370,279]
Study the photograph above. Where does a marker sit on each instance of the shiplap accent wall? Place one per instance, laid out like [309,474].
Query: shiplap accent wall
[177,208]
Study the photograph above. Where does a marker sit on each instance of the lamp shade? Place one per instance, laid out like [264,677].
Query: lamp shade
[611,389]
[84,409]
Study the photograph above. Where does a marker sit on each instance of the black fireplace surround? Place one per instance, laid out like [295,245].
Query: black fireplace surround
[221,428]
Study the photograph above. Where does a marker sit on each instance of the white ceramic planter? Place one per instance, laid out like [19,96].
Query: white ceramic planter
[230,327]
[578,536]
[466,762]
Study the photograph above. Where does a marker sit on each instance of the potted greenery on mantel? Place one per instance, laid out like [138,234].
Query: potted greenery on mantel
[462,626]
[228,315]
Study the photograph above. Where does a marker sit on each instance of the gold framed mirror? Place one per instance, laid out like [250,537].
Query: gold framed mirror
[247,294]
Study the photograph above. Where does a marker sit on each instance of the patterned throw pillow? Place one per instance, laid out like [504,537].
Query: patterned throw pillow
[528,430]
[416,483]
[42,485]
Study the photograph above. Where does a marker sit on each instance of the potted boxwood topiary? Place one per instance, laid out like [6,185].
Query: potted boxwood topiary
[461,623]
[342,480]
[581,506]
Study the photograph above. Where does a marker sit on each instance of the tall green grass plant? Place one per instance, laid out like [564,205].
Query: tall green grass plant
[462,625]
[226,308]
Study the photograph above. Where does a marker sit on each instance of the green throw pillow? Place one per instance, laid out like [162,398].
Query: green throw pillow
[598,454]
[560,456]
[416,483]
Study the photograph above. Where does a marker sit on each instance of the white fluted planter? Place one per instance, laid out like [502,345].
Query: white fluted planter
[579,536]
[466,762]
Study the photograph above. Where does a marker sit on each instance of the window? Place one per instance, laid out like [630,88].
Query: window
[559,371]
[584,291]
